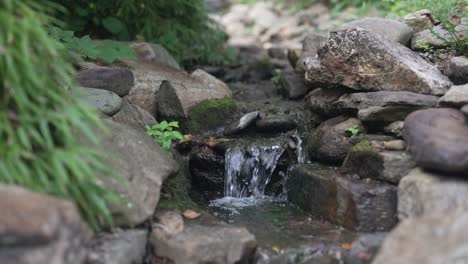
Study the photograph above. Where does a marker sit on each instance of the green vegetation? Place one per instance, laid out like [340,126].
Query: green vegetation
[40,119]
[164,133]
[353,131]
[363,146]
[182,27]
[210,114]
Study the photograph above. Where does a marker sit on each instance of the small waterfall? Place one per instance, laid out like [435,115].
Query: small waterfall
[248,169]
[301,155]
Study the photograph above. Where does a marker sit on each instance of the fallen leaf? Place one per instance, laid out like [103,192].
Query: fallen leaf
[346,246]
[190,214]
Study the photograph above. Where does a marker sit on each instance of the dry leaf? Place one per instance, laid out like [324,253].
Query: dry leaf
[190,214]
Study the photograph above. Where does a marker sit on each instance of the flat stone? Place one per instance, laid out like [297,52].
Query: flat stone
[437,139]
[243,123]
[385,106]
[293,85]
[116,80]
[457,96]
[133,116]
[457,70]
[40,229]
[104,101]
[321,101]
[330,141]
[118,247]
[427,38]
[198,244]
[365,61]
[366,161]
[355,204]
[388,28]
[422,192]
[433,239]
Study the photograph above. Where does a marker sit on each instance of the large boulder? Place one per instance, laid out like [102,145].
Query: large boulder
[39,229]
[177,97]
[457,70]
[385,106]
[198,244]
[433,239]
[365,61]
[116,80]
[365,206]
[142,166]
[457,96]
[437,139]
[118,247]
[133,116]
[106,102]
[388,28]
[330,142]
[421,192]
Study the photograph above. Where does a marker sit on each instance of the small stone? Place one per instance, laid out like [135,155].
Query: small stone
[322,101]
[457,96]
[420,20]
[191,214]
[106,102]
[169,223]
[244,122]
[293,85]
[116,80]
[457,70]
[394,145]
[394,128]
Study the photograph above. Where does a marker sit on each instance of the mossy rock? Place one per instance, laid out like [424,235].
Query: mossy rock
[209,114]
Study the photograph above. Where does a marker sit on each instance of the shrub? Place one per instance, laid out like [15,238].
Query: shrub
[39,118]
[164,133]
[183,27]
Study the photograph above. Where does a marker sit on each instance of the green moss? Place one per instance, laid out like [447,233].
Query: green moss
[364,146]
[209,114]
[175,193]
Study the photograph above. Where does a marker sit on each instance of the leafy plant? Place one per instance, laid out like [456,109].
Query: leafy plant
[40,119]
[354,130]
[276,75]
[84,47]
[164,133]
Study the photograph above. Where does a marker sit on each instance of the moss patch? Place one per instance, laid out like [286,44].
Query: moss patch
[364,146]
[209,114]
[175,193]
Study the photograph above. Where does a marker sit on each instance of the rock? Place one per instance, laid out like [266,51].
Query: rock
[426,38]
[191,214]
[321,101]
[357,205]
[104,101]
[310,46]
[422,192]
[207,169]
[293,85]
[263,16]
[118,247]
[176,98]
[371,138]
[154,52]
[365,248]
[116,80]
[293,57]
[388,28]
[142,166]
[438,139]
[169,223]
[39,229]
[395,128]
[330,142]
[197,244]
[420,20]
[133,116]
[376,63]
[366,161]
[384,106]
[209,115]
[148,77]
[457,96]
[457,70]
[464,109]
[275,124]
[462,28]
[418,240]
[243,123]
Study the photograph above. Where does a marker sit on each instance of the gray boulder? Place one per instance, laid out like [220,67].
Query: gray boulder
[433,239]
[142,166]
[385,106]
[116,80]
[198,244]
[330,142]
[437,139]
[388,28]
[118,247]
[104,101]
[365,61]
[40,229]
[422,192]
[457,70]
[427,38]
[457,96]
[133,116]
